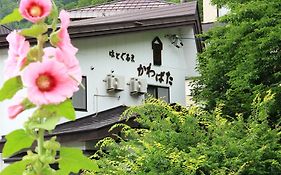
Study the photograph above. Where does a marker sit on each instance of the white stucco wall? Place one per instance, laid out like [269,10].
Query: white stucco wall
[188,88]
[209,12]
[7,125]
[94,52]
[223,11]
[1,162]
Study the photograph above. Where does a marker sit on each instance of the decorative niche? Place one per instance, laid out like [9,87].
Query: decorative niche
[157,47]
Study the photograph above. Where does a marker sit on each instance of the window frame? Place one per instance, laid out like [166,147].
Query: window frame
[86,96]
[157,90]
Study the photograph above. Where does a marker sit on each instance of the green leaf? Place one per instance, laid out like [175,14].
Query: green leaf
[10,88]
[60,172]
[54,16]
[15,16]
[16,141]
[54,39]
[49,124]
[67,110]
[64,109]
[15,168]
[35,30]
[73,160]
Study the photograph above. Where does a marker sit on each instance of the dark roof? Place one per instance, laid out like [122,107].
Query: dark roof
[4,30]
[185,9]
[91,122]
[148,19]
[92,127]
[116,7]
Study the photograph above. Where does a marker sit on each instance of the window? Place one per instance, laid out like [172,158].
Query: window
[79,98]
[159,92]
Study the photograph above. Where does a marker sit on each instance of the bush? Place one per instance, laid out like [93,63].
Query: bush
[177,141]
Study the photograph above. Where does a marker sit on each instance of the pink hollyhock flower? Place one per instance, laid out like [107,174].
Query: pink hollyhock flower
[18,49]
[15,110]
[35,10]
[48,82]
[65,43]
[68,59]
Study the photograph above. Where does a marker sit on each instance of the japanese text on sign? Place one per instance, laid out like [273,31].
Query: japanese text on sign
[122,56]
[159,77]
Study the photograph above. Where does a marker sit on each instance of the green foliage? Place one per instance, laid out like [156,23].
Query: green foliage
[73,160]
[15,16]
[16,168]
[49,124]
[16,141]
[242,58]
[10,88]
[64,109]
[192,142]
[7,7]
[35,30]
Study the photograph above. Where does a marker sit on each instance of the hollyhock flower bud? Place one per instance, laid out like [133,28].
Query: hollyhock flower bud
[64,38]
[48,82]
[15,110]
[35,10]
[18,50]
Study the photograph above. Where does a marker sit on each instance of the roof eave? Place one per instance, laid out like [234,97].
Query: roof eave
[126,26]
[81,31]
[198,30]
[98,28]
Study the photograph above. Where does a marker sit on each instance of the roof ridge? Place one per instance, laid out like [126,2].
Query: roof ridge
[114,2]
[142,11]
[96,5]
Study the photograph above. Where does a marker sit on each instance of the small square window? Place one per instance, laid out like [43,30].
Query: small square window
[79,98]
[159,92]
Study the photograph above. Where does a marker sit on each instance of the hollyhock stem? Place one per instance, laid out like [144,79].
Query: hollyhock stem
[40,44]
[40,141]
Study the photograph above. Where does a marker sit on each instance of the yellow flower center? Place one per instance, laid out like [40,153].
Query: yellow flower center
[35,11]
[45,82]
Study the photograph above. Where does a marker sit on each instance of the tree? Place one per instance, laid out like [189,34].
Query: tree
[173,140]
[7,7]
[242,57]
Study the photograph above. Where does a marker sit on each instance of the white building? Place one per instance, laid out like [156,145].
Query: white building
[123,55]
[211,13]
